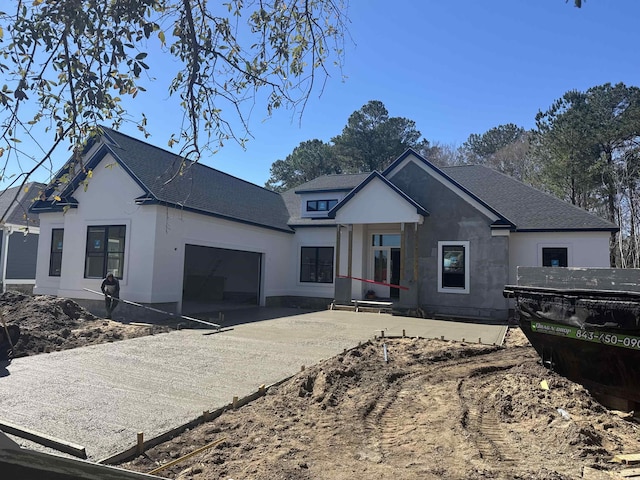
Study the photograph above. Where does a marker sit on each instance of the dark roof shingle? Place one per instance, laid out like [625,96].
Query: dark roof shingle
[525,206]
[17,207]
[198,187]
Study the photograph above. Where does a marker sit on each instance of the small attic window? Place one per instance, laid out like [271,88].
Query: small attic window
[321,205]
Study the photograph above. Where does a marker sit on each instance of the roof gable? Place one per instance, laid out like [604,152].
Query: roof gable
[509,203]
[376,200]
[167,180]
[412,156]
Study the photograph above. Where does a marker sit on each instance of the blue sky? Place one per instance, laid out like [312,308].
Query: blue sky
[455,68]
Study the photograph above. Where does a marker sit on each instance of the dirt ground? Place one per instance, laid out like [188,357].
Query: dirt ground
[48,324]
[435,409]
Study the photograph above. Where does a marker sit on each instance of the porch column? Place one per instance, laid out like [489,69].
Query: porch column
[350,254]
[338,250]
[342,287]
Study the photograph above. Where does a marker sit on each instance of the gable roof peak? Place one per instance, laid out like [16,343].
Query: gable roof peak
[194,186]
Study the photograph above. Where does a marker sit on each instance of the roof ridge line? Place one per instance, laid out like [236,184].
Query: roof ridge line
[192,163]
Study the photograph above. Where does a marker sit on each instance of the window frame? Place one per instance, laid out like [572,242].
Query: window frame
[55,253]
[105,253]
[441,284]
[328,204]
[317,267]
[555,247]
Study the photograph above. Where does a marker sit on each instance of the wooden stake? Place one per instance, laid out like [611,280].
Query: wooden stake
[140,443]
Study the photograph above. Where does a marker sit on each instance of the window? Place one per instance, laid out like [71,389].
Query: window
[554,256]
[55,257]
[321,205]
[385,240]
[453,267]
[105,251]
[316,264]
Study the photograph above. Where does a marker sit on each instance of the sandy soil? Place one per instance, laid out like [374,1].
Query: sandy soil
[435,410]
[50,323]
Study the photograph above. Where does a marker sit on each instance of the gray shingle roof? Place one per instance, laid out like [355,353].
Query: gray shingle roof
[200,187]
[17,211]
[209,191]
[525,206]
[344,182]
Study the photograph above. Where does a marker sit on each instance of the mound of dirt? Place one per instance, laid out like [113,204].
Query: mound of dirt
[50,323]
[436,409]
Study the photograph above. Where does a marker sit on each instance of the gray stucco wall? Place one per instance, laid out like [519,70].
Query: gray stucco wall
[453,219]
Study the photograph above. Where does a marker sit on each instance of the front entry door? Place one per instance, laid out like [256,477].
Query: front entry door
[385,256]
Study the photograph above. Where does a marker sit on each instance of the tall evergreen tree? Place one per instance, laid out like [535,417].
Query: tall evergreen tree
[308,160]
[590,143]
[371,139]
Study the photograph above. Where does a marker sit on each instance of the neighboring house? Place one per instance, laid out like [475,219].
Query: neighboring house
[444,240]
[19,237]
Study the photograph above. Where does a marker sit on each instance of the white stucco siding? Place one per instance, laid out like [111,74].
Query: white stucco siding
[315,237]
[46,285]
[584,249]
[377,203]
[108,200]
[176,228]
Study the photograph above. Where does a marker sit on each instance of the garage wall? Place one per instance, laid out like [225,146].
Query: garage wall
[175,229]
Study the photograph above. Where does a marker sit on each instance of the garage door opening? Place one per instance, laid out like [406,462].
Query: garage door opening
[220,278]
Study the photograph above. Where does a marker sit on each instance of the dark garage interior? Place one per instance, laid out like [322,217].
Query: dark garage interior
[221,276]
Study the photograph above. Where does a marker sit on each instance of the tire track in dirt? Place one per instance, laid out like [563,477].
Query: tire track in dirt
[448,395]
[479,417]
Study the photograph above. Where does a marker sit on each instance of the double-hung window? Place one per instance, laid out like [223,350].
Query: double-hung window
[316,264]
[55,255]
[105,251]
[453,267]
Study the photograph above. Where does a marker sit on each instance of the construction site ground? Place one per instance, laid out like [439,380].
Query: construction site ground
[100,396]
[363,407]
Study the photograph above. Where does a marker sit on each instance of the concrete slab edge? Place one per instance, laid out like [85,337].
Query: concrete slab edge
[207,416]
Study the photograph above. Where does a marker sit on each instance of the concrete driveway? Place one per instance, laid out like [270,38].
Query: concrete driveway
[101,396]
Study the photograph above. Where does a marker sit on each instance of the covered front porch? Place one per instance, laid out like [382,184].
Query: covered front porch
[377,238]
[377,263]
